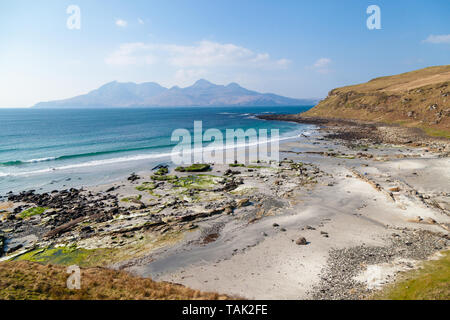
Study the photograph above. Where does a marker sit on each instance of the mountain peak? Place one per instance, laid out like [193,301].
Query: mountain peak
[202,83]
[233,85]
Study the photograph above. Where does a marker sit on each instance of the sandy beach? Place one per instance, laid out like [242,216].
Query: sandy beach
[336,218]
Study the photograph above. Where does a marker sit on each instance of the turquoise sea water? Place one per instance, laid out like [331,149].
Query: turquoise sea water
[51,149]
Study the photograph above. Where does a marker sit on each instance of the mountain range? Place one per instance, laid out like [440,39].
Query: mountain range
[151,94]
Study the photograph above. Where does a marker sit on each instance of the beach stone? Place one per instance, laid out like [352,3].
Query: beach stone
[301,241]
[242,202]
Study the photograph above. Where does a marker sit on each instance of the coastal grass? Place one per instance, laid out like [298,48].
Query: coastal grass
[436,132]
[430,282]
[24,280]
[31,212]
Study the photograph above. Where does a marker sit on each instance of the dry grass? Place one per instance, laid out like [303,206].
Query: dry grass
[418,99]
[33,281]
[404,81]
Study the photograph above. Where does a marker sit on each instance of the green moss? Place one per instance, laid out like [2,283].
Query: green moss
[31,212]
[201,181]
[162,171]
[163,178]
[68,256]
[252,166]
[194,168]
[138,197]
[146,186]
[431,282]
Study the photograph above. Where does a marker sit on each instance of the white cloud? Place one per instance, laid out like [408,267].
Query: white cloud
[121,23]
[201,55]
[322,65]
[438,39]
[140,21]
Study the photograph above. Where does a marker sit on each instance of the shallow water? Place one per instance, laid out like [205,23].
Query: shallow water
[51,149]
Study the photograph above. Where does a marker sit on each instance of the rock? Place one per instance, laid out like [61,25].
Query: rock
[301,241]
[275,225]
[283,229]
[429,221]
[242,202]
[133,177]
[395,189]
[15,248]
[192,226]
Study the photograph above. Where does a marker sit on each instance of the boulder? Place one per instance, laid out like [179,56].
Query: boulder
[301,241]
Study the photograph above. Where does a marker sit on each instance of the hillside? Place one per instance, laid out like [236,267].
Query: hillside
[419,99]
[150,94]
[33,281]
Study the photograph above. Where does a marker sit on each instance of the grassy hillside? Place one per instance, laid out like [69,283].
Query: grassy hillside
[419,99]
[430,282]
[33,281]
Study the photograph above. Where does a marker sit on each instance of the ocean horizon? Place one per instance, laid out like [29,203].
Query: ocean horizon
[47,149]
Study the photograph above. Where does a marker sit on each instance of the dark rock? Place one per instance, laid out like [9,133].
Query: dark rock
[15,248]
[301,241]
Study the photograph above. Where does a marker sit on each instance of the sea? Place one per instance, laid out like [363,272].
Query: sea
[53,149]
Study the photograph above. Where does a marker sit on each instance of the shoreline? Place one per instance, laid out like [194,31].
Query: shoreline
[68,179]
[358,198]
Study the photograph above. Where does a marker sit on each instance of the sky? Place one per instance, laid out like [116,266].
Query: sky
[300,49]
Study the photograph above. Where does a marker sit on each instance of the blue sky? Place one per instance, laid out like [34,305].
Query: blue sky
[296,48]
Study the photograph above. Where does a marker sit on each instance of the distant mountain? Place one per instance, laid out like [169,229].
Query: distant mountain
[150,94]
